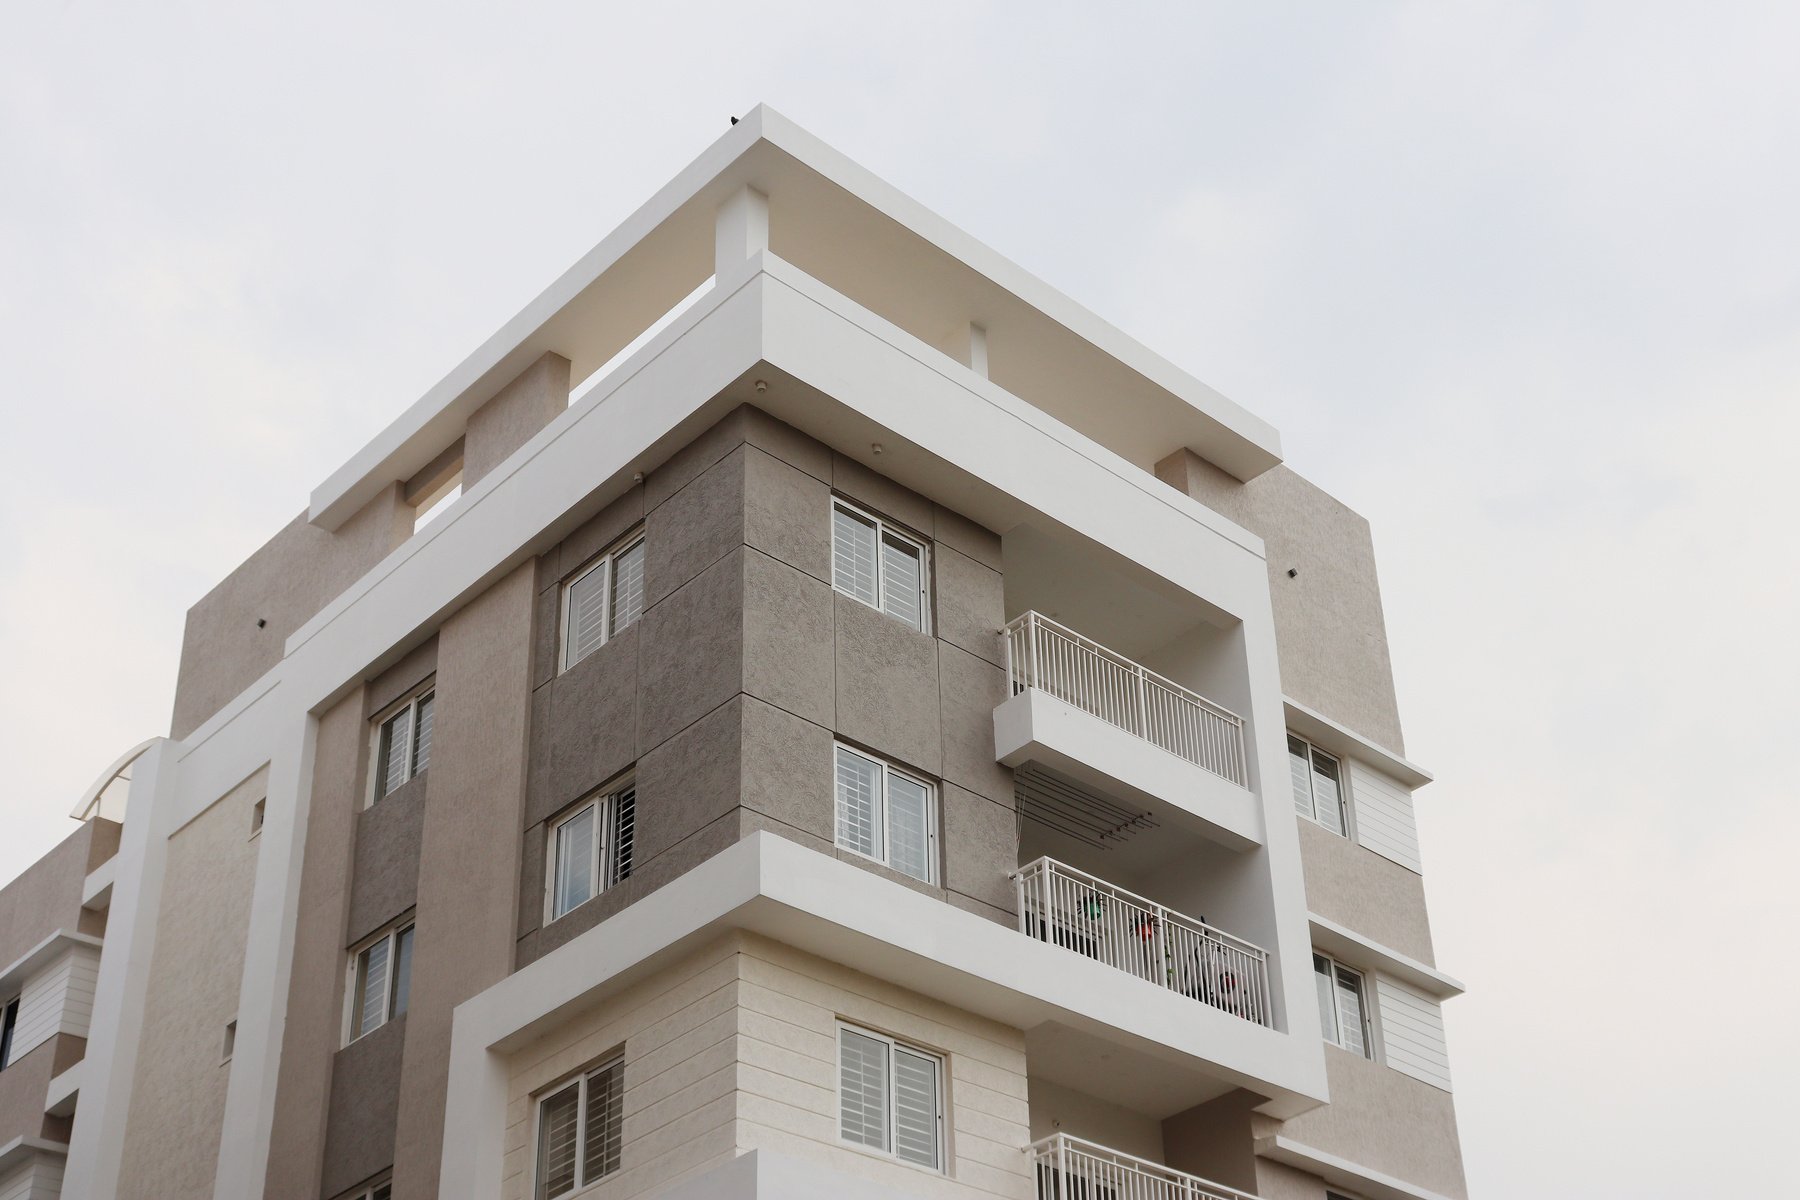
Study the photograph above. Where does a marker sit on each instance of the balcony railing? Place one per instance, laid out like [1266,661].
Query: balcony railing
[1054,659]
[1079,912]
[1071,1169]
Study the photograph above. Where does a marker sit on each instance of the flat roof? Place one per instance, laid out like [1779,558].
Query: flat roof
[853,231]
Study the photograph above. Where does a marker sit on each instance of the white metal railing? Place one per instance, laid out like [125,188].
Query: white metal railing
[1055,659]
[1071,1169]
[1080,912]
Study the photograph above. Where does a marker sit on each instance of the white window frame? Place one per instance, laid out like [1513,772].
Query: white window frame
[602,561]
[608,869]
[888,770]
[581,1078]
[1314,751]
[425,691]
[391,935]
[892,1153]
[9,1008]
[376,1191]
[883,528]
[1365,1002]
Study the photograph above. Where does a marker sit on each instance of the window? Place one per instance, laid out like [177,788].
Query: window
[230,1042]
[890,1097]
[381,1191]
[885,814]
[1318,786]
[580,1125]
[590,848]
[1342,1015]
[380,979]
[403,743]
[11,1022]
[873,562]
[257,812]
[602,598]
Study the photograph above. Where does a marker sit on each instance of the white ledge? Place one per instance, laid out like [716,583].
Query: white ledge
[1341,1171]
[1320,729]
[27,964]
[1358,950]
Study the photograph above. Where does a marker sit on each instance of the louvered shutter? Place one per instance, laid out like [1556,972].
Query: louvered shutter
[1350,1012]
[1327,999]
[902,581]
[371,988]
[558,1129]
[862,1089]
[909,826]
[604,1122]
[628,587]
[391,752]
[853,555]
[587,615]
[858,800]
[915,1107]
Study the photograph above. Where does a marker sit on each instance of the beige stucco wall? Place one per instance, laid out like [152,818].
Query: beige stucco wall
[1364,892]
[524,406]
[178,1091]
[1381,1119]
[45,898]
[1332,636]
[735,1049]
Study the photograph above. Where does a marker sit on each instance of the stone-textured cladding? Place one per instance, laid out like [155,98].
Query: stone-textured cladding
[1363,891]
[734,1049]
[728,693]
[1332,638]
[172,1149]
[24,1083]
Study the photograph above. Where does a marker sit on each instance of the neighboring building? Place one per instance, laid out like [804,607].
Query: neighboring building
[852,748]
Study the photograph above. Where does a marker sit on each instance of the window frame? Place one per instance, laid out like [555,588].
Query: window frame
[939,1060]
[1337,1011]
[580,1080]
[410,704]
[932,816]
[390,934]
[9,1028]
[605,560]
[883,528]
[608,869]
[1314,752]
[383,1190]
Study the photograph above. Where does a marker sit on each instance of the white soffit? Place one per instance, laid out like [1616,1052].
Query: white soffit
[1357,950]
[1327,734]
[837,220]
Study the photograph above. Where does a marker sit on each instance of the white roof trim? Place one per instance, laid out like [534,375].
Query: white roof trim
[16,972]
[1341,1172]
[1361,951]
[1321,730]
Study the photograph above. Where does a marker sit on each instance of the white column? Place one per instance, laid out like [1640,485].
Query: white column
[742,230]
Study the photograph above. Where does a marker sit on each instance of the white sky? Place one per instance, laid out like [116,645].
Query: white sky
[1517,281]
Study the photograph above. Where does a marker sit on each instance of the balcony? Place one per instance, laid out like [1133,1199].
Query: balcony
[1114,725]
[1071,1169]
[1091,917]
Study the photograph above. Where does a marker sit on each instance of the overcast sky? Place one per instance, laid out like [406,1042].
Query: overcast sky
[1516,281]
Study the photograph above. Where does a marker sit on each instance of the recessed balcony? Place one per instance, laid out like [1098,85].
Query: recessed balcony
[1069,1168]
[1094,715]
[1091,917]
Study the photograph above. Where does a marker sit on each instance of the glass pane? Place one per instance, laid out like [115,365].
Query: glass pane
[624,821]
[853,555]
[1327,1002]
[587,616]
[574,878]
[390,765]
[862,1089]
[628,587]
[902,581]
[909,827]
[403,947]
[421,757]
[915,1107]
[1350,1012]
[557,1118]
[1301,771]
[371,988]
[858,821]
[605,1122]
[1326,792]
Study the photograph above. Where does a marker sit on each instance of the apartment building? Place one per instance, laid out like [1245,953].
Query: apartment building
[804,710]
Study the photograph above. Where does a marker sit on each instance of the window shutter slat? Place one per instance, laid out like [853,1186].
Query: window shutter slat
[1300,769]
[372,987]
[853,555]
[862,1089]
[902,582]
[915,1107]
[909,827]
[624,829]
[558,1118]
[587,615]
[391,752]
[605,1122]
[859,823]
[628,587]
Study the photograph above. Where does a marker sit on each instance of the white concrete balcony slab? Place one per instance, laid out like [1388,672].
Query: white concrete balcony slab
[1122,729]
[1069,1167]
